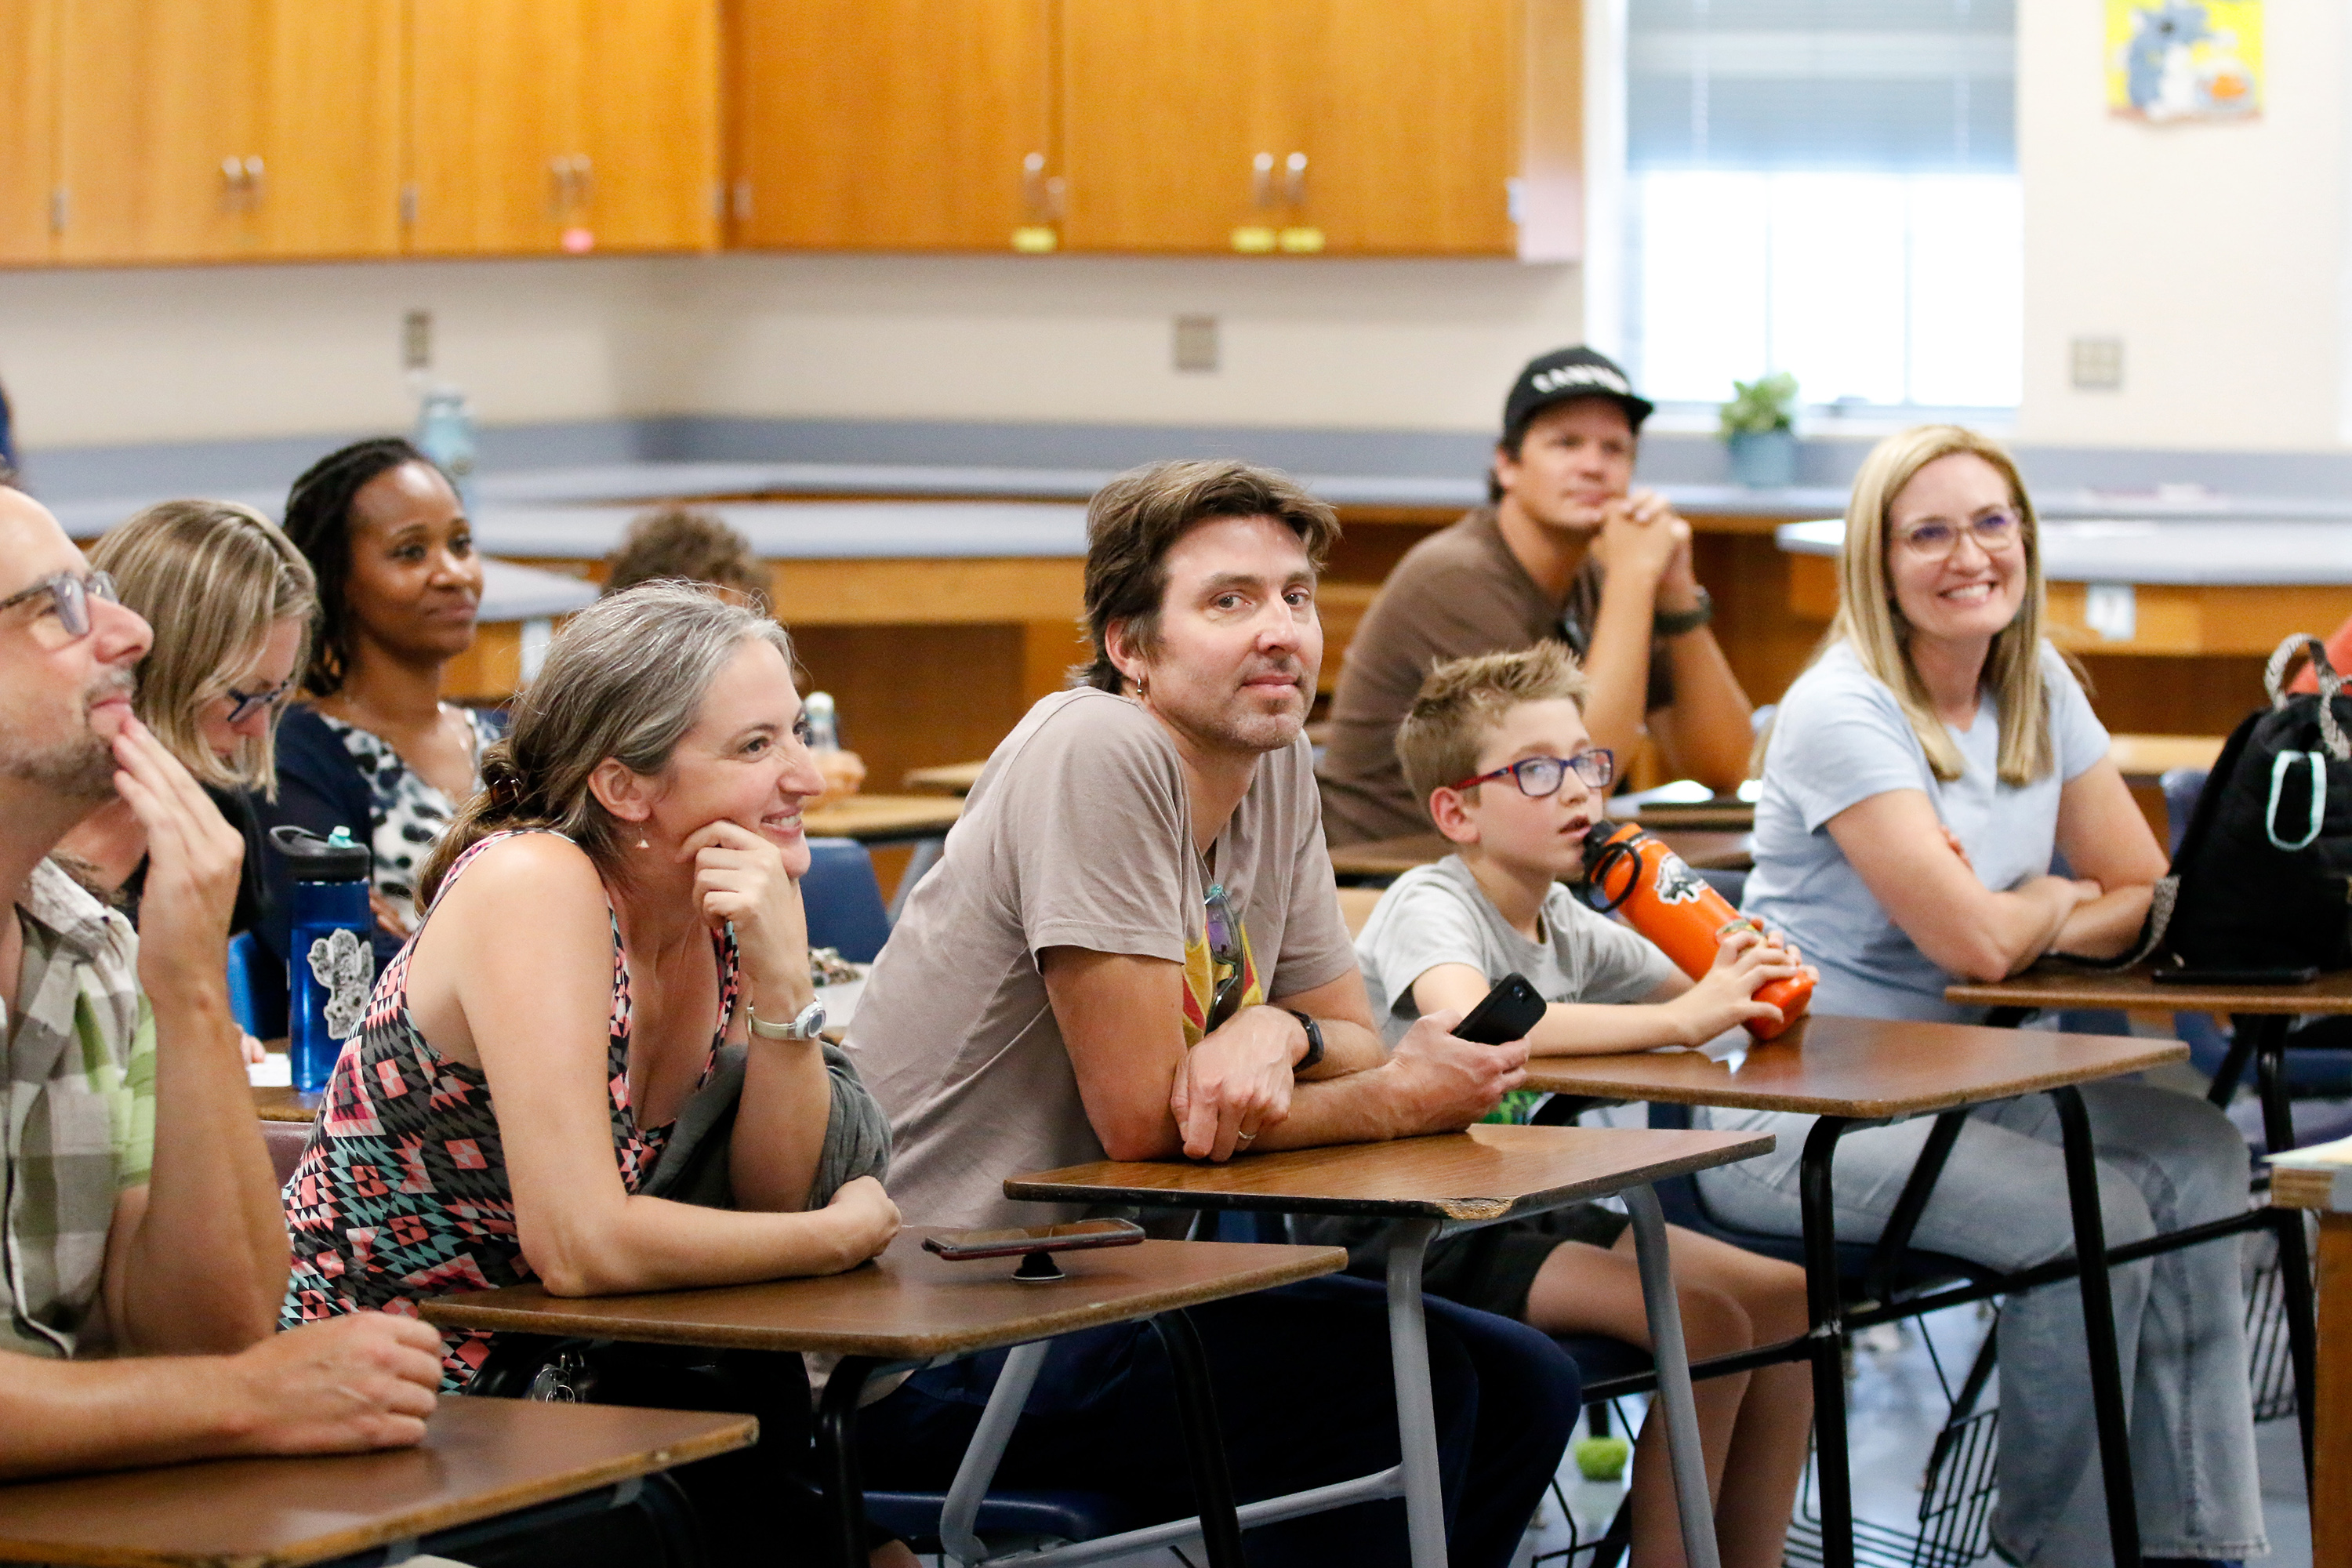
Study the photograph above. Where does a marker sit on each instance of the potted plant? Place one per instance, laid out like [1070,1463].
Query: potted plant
[1756,426]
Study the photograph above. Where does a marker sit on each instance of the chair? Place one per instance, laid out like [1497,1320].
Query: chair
[285,1140]
[843,899]
[256,988]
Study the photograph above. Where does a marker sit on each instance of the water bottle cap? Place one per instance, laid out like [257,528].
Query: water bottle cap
[335,858]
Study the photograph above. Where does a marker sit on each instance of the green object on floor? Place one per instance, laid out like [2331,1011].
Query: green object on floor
[1602,1459]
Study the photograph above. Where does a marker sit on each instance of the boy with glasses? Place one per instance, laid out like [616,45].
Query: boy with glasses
[1496,749]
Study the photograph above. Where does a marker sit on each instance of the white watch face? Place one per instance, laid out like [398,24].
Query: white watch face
[811,1022]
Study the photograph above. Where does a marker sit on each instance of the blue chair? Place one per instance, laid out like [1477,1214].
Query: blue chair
[256,988]
[843,899]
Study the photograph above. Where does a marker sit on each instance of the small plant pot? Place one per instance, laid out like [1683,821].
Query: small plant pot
[1764,459]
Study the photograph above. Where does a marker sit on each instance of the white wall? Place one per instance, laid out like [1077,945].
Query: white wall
[100,357]
[2215,253]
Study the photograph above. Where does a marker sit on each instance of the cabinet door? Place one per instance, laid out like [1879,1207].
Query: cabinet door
[1180,117]
[328,148]
[1413,131]
[493,126]
[156,101]
[649,124]
[28,127]
[893,124]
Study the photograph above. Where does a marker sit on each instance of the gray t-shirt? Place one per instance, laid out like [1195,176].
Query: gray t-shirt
[1079,834]
[1841,738]
[1438,914]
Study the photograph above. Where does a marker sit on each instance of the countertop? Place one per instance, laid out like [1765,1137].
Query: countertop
[2196,553]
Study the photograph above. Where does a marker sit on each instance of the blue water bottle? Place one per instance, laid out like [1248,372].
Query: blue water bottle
[332,961]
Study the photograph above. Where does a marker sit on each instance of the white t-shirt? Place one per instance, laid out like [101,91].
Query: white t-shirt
[1841,738]
[1438,914]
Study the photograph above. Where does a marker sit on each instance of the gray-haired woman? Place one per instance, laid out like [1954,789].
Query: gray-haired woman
[618,904]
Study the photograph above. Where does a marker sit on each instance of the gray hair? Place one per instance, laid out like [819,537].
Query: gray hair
[624,680]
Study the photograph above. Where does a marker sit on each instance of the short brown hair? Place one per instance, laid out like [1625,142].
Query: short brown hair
[692,546]
[1463,698]
[1134,519]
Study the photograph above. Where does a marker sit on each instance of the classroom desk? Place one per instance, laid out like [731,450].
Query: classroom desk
[884,818]
[2146,759]
[911,1307]
[481,1460]
[1859,1072]
[1437,1185]
[955,778]
[1706,850]
[2331,1476]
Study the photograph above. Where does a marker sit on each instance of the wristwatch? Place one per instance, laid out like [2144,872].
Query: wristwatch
[1314,1041]
[807,1027]
[1674,622]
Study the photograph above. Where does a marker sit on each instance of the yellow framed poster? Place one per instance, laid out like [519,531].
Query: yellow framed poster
[2185,59]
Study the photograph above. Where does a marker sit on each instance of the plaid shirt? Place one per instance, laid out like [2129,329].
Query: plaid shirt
[81,1094]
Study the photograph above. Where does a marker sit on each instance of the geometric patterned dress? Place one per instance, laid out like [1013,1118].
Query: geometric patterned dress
[402,1191]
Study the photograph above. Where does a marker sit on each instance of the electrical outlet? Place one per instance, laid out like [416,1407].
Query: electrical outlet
[1196,342]
[2098,364]
[417,341]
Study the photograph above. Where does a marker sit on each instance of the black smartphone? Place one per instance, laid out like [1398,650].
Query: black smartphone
[2194,976]
[1020,1241]
[1504,1014]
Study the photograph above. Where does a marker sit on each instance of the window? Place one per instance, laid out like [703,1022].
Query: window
[1827,187]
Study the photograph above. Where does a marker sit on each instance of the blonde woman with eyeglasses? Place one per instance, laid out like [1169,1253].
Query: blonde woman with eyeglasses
[231,601]
[1918,780]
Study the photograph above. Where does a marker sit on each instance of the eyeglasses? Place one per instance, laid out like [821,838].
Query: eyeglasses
[1539,778]
[243,705]
[1994,533]
[1225,956]
[71,596]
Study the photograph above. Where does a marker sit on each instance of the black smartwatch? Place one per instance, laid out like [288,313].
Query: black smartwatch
[1674,622]
[1314,1041]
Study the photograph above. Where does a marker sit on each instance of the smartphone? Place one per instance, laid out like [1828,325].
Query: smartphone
[2194,976]
[1506,1013]
[1020,1241]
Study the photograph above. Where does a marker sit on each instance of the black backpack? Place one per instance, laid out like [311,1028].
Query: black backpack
[2265,871]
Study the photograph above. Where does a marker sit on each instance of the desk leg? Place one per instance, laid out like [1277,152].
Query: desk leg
[2099,1325]
[2331,1526]
[2301,1334]
[836,1457]
[1204,1443]
[1832,1466]
[2270,1077]
[1692,1499]
[976,1469]
[1424,1495]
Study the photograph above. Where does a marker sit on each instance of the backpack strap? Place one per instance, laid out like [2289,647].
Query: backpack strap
[2284,660]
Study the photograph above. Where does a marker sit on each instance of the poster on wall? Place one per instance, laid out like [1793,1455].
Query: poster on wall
[2185,59]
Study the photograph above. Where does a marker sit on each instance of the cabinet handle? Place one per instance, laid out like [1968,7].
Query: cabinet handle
[1043,196]
[559,178]
[232,193]
[1262,180]
[743,199]
[256,181]
[585,173]
[1294,179]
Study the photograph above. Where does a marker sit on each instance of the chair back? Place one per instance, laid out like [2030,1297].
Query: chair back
[256,988]
[843,899]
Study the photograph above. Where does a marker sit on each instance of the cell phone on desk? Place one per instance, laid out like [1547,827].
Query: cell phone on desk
[1020,1241]
[2195,976]
[1507,1012]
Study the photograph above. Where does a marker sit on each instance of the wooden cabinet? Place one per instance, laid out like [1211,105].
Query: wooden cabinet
[326,153]
[28,127]
[540,126]
[892,124]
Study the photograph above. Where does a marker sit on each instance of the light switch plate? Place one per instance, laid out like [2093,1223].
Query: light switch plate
[2098,364]
[1196,342]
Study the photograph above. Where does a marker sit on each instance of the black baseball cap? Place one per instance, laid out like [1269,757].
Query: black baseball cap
[1564,373]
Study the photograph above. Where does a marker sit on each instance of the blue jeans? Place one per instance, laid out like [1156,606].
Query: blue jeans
[1305,1397]
[2165,1160]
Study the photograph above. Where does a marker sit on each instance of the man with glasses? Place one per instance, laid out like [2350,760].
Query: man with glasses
[1567,551]
[142,1221]
[1132,947]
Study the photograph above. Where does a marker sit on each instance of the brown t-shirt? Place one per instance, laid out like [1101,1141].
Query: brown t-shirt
[1079,834]
[1457,592]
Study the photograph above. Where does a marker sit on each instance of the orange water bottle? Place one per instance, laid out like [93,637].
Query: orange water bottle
[1665,900]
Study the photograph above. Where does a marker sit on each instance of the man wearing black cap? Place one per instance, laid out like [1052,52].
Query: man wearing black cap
[1567,549]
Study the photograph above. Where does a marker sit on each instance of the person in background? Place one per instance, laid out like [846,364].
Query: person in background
[373,747]
[1497,747]
[1132,948]
[1918,779]
[697,546]
[1566,551]
[621,902]
[143,1240]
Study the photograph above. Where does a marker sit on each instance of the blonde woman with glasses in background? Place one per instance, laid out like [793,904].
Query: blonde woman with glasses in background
[1917,781]
[231,601]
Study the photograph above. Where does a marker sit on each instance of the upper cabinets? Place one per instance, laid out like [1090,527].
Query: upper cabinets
[27,129]
[1363,127]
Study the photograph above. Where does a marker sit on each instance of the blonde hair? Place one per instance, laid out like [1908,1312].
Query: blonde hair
[212,577]
[1870,620]
[1463,698]
[624,678]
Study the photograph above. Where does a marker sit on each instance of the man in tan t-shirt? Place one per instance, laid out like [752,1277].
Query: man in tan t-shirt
[1567,550]
[1132,947]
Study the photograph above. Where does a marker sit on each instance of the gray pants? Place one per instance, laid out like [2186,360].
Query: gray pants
[2165,1160]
